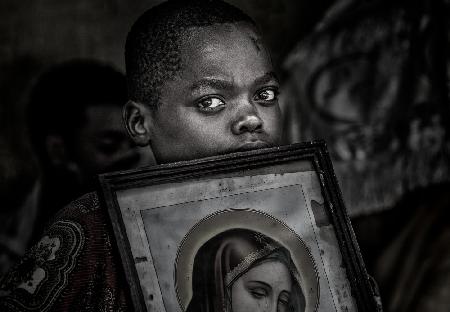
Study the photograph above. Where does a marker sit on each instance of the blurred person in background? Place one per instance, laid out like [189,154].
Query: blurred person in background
[372,80]
[76,128]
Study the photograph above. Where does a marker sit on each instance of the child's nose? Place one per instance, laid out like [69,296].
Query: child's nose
[248,120]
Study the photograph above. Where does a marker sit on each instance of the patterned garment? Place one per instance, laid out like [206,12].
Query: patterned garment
[72,268]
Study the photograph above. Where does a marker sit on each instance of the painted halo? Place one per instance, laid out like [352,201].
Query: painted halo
[249,219]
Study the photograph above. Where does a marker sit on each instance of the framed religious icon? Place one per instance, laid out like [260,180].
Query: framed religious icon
[262,230]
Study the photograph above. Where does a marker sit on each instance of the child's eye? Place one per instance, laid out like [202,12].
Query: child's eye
[266,95]
[211,104]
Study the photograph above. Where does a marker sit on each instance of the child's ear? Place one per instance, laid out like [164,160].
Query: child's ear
[137,118]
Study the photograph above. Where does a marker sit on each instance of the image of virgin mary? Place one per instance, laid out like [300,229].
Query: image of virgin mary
[244,270]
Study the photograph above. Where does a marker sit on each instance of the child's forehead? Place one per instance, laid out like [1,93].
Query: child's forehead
[231,53]
[219,34]
[222,43]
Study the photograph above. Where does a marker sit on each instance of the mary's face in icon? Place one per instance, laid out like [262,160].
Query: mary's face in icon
[240,270]
[264,288]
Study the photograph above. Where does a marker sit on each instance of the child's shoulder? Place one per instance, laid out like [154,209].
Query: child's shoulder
[73,260]
[83,206]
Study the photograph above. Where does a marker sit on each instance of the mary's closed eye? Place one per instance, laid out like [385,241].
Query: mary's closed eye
[258,290]
[284,298]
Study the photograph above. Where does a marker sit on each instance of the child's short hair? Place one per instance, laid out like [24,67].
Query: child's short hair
[152,53]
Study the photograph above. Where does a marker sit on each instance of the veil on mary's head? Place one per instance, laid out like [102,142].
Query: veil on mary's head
[227,256]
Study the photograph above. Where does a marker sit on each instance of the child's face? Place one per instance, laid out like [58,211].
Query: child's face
[223,99]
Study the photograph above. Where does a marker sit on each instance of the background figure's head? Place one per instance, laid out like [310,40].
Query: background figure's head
[243,270]
[200,81]
[75,120]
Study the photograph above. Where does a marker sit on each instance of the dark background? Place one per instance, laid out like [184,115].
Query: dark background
[383,63]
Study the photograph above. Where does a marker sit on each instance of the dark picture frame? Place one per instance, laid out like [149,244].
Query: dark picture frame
[177,202]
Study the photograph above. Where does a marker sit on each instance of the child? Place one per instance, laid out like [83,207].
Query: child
[200,83]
